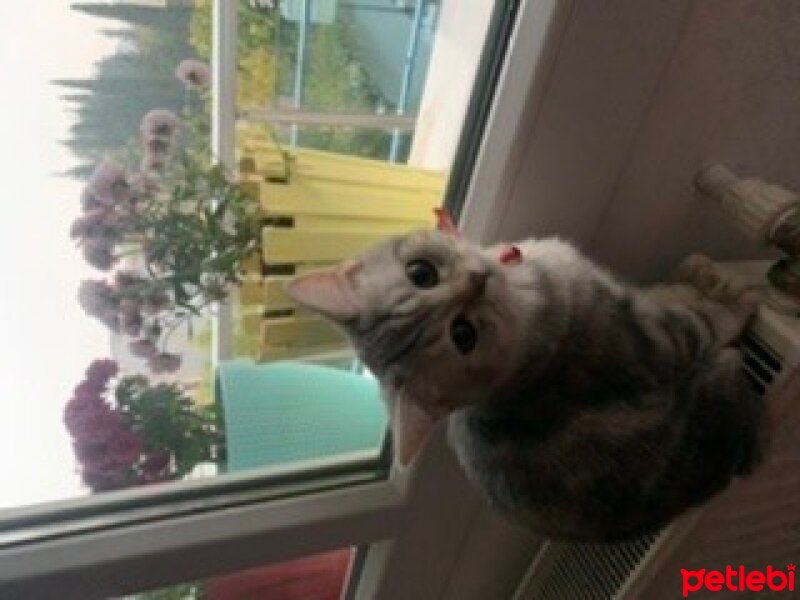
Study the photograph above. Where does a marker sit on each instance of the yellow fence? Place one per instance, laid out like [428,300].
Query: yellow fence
[317,208]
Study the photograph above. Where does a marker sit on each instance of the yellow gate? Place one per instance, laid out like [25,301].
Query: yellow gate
[317,208]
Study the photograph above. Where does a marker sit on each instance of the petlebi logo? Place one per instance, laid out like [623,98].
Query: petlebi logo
[738,580]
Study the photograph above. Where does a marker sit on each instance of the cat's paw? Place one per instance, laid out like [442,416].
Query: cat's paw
[699,271]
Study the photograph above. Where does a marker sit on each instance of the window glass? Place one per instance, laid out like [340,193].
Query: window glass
[122,232]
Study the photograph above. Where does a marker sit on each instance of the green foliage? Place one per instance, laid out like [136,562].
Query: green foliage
[165,418]
[258,62]
[335,79]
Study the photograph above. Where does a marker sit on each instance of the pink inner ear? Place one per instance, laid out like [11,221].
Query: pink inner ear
[331,293]
[445,223]
[411,427]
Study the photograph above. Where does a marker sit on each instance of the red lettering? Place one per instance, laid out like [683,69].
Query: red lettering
[755,581]
[729,575]
[714,581]
[772,574]
[698,580]
[791,569]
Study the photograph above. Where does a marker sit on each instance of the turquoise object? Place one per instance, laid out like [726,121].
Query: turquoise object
[283,412]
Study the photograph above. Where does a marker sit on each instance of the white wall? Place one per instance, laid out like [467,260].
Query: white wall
[641,95]
[460,33]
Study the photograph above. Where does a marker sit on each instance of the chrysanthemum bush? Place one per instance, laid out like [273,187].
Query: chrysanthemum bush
[127,431]
[178,217]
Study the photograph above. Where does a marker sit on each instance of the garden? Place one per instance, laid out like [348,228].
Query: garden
[168,229]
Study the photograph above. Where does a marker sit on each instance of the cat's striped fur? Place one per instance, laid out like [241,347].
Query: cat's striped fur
[587,408]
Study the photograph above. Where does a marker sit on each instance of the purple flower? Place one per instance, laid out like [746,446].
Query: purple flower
[91,424]
[143,184]
[93,456]
[159,122]
[129,305]
[98,253]
[96,297]
[131,322]
[143,348]
[156,145]
[155,302]
[164,362]
[193,73]
[152,163]
[127,278]
[86,396]
[88,224]
[124,448]
[110,318]
[89,201]
[156,462]
[101,371]
[105,480]
[106,186]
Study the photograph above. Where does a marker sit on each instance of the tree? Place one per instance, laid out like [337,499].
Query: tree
[128,83]
[152,17]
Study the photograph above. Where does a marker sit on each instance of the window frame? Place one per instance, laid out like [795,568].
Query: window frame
[425,528]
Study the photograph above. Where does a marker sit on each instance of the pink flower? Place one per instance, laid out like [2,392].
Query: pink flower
[159,122]
[193,73]
[98,253]
[143,348]
[101,371]
[164,362]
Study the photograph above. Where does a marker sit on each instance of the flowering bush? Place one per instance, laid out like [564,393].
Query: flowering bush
[186,221]
[133,433]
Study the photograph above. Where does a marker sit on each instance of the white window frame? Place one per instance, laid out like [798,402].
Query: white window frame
[428,534]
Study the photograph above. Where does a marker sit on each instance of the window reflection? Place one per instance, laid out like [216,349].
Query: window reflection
[149,233]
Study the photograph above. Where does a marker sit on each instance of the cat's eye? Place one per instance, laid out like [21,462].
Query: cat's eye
[422,274]
[463,334]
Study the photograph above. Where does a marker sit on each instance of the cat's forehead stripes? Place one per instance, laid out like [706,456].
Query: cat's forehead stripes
[432,245]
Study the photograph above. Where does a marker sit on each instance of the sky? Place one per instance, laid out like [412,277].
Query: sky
[47,341]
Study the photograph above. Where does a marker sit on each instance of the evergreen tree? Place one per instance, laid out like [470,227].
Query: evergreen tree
[128,84]
[153,17]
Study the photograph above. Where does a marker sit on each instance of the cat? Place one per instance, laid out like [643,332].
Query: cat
[583,407]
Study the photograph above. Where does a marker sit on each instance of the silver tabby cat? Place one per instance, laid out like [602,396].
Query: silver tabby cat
[584,407]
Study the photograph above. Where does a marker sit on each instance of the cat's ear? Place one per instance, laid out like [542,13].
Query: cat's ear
[411,427]
[332,293]
[445,223]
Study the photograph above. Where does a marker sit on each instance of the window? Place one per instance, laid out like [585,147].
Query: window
[306,105]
